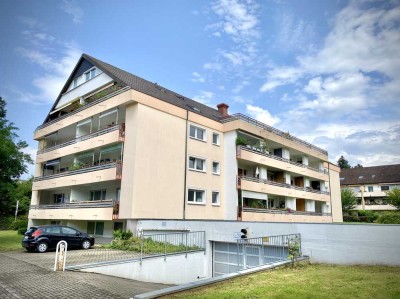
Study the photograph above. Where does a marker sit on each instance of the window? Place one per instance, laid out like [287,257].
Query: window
[197,133]
[197,164]
[55,222]
[370,188]
[90,74]
[215,139]
[75,83]
[68,231]
[196,196]
[215,198]
[59,198]
[384,188]
[98,195]
[215,167]
[53,230]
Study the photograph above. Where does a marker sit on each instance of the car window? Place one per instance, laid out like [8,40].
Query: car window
[68,231]
[53,230]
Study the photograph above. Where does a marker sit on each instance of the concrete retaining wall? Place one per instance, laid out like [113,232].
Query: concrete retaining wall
[176,269]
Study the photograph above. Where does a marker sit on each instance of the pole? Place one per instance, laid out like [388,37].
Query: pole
[16,210]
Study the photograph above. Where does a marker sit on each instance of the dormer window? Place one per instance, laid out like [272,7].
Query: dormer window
[90,74]
[75,83]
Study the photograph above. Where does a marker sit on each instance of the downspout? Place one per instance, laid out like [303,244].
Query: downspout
[185,170]
[330,188]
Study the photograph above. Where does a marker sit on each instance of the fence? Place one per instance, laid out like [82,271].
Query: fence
[138,249]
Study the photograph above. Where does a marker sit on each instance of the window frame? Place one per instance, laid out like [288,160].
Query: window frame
[218,143]
[386,188]
[204,197]
[198,128]
[219,168]
[218,203]
[204,170]
[370,188]
[89,72]
[103,193]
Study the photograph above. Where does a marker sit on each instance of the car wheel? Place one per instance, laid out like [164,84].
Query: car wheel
[86,244]
[42,247]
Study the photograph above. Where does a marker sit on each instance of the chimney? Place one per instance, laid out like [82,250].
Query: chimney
[223,109]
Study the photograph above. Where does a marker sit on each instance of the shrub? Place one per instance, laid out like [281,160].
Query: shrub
[241,141]
[389,218]
[6,222]
[20,225]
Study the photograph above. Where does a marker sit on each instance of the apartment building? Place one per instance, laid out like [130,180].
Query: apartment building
[115,149]
[370,185]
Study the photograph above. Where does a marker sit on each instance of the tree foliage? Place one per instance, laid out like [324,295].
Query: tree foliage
[13,162]
[358,166]
[343,163]
[349,199]
[393,197]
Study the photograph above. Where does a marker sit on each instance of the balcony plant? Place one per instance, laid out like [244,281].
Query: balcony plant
[241,141]
[74,167]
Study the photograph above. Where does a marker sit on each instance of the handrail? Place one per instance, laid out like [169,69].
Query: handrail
[278,211]
[117,92]
[284,185]
[81,138]
[239,116]
[76,205]
[78,171]
[243,147]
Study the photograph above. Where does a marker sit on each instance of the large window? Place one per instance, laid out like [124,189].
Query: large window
[384,188]
[197,133]
[215,139]
[197,164]
[215,198]
[196,196]
[370,188]
[98,195]
[59,198]
[215,167]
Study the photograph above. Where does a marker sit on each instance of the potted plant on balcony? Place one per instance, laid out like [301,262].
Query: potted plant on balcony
[241,141]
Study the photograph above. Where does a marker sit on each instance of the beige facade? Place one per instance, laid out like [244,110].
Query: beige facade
[121,154]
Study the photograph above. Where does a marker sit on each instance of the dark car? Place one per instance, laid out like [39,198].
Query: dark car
[42,238]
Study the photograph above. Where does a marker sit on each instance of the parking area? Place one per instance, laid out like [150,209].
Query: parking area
[30,275]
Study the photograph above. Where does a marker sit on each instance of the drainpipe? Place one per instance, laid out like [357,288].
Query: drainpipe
[330,189]
[185,170]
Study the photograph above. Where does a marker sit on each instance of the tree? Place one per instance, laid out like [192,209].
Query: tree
[358,166]
[393,197]
[22,193]
[349,199]
[13,161]
[343,163]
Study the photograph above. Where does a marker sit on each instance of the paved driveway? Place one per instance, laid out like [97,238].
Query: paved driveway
[29,275]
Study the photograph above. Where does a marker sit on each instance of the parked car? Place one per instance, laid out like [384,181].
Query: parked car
[42,238]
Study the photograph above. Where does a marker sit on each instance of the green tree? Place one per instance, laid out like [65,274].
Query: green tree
[23,194]
[13,161]
[349,199]
[343,163]
[358,166]
[393,197]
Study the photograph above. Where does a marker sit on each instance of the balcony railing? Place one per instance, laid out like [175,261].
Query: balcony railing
[279,211]
[283,185]
[239,116]
[76,205]
[250,149]
[93,103]
[84,169]
[120,127]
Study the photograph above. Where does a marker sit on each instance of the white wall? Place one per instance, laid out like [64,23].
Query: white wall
[175,269]
[230,172]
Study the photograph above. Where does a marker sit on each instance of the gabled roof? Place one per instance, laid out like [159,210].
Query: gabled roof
[125,78]
[370,175]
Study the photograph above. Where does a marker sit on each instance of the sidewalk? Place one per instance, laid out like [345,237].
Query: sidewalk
[20,279]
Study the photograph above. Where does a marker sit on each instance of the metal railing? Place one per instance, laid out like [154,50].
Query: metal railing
[279,211]
[120,127]
[117,92]
[90,168]
[259,251]
[172,243]
[250,149]
[283,185]
[239,116]
[76,205]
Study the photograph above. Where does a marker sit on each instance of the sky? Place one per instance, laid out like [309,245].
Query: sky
[325,71]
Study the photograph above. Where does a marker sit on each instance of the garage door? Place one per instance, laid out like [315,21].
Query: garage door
[233,257]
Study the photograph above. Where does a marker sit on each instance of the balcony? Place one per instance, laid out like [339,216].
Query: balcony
[276,215]
[242,117]
[85,174]
[252,154]
[80,210]
[121,137]
[282,189]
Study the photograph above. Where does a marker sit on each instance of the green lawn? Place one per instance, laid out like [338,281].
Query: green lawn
[10,240]
[307,281]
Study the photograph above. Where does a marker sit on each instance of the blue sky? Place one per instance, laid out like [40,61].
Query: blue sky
[326,71]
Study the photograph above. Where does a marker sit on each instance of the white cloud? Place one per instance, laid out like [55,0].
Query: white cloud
[73,9]
[278,76]
[262,115]
[197,77]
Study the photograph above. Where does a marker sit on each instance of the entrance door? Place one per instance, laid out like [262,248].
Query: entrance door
[95,228]
[300,204]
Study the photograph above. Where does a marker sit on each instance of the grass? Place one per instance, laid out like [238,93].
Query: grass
[10,240]
[307,281]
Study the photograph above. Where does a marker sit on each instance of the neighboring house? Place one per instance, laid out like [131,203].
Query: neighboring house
[370,185]
[115,149]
